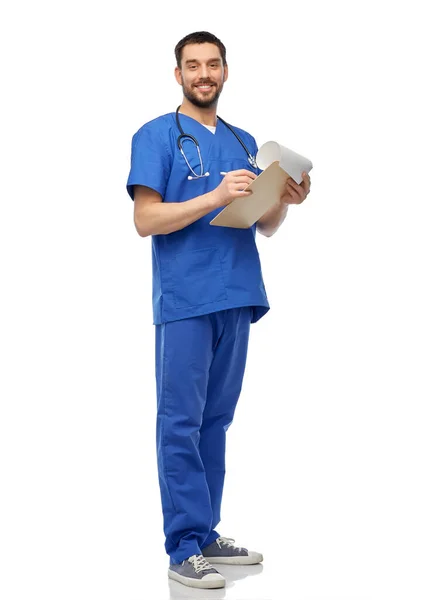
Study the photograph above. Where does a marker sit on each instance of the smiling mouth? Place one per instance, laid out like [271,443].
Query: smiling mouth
[204,88]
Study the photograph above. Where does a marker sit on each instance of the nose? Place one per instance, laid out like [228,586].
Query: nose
[204,72]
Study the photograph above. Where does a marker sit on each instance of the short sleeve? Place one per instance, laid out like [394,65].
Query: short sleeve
[150,163]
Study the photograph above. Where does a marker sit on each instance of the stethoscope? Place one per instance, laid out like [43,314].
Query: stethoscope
[186,136]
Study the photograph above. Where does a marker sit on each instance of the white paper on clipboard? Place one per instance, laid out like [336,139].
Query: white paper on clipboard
[278,164]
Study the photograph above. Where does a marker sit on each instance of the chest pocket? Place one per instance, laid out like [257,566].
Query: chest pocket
[197,278]
[231,164]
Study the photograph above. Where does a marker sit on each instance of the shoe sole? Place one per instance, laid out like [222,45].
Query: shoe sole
[235,560]
[197,583]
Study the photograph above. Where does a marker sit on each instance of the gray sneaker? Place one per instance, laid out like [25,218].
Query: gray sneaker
[196,572]
[223,551]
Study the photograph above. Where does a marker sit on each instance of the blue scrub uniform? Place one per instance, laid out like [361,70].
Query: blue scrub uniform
[207,289]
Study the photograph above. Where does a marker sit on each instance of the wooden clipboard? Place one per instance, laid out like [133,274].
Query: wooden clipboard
[267,189]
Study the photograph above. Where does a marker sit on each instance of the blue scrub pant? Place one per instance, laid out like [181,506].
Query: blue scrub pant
[200,364]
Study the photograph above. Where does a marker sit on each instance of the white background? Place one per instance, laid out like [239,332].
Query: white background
[323,458]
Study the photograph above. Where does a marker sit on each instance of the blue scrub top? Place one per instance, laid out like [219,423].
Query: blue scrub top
[202,268]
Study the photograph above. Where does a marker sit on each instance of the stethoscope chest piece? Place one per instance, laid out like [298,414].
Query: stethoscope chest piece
[252,161]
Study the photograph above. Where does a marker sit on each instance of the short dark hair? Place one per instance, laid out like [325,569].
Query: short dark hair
[199,37]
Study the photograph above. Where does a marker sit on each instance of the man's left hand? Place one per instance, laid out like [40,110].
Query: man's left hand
[294,193]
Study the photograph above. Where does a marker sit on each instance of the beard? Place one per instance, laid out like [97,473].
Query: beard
[199,99]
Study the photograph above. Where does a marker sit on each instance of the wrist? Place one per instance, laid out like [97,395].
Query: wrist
[214,200]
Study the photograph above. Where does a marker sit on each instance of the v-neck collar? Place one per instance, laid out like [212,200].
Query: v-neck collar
[204,126]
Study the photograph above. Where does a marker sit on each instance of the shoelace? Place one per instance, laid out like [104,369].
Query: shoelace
[227,542]
[199,563]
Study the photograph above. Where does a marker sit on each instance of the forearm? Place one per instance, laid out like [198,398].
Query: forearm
[270,222]
[161,218]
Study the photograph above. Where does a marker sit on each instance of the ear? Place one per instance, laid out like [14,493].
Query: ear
[225,73]
[177,73]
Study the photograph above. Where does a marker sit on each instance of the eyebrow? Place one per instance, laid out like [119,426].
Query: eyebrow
[194,60]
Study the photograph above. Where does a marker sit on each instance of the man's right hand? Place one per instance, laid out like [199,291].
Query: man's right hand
[232,186]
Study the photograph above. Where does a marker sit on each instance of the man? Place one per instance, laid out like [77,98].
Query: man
[207,289]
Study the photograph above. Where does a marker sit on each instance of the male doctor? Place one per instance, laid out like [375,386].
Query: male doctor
[186,166]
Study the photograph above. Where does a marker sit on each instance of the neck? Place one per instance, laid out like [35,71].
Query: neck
[206,116]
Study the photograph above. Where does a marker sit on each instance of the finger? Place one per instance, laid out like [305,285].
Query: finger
[237,187]
[244,172]
[241,188]
[297,198]
[306,182]
[294,185]
[301,191]
[241,194]
[247,184]
[242,180]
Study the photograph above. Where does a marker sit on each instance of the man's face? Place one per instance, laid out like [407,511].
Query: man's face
[202,74]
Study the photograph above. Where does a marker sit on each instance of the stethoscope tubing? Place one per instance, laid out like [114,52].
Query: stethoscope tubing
[184,136]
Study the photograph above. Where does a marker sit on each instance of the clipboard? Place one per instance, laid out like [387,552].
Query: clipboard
[244,212]
[279,164]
